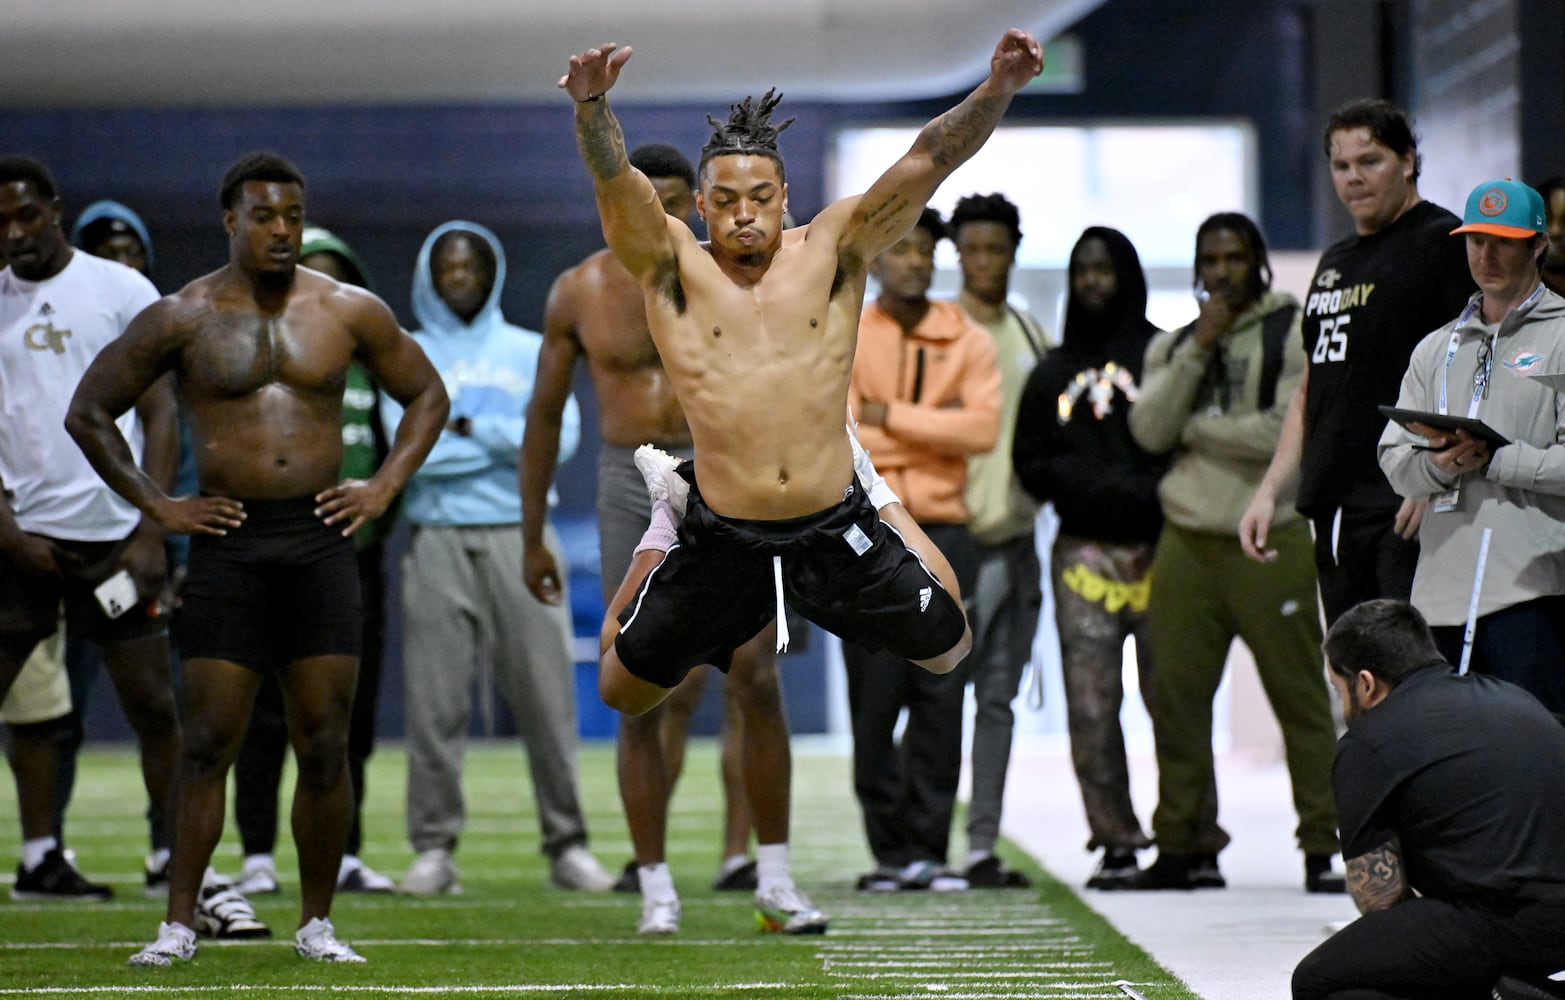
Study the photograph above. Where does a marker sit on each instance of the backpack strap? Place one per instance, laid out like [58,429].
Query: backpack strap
[1274,341]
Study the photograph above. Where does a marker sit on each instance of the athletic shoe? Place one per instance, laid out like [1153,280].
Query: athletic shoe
[743,878]
[576,868]
[258,877]
[1204,873]
[356,876]
[1117,865]
[783,909]
[663,483]
[224,912]
[175,943]
[882,879]
[659,916]
[1319,876]
[1169,871]
[927,875]
[875,487]
[1517,986]
[629,878]
[432,873]
[157,879]
[56,878]
[989,872]
[318,942]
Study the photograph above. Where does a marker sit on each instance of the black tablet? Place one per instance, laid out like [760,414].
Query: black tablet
[1446,422]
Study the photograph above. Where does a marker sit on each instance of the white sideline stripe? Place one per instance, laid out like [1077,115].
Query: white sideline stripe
[835,964]
[656,942]
[985,951]
[637,989]
[1042,977]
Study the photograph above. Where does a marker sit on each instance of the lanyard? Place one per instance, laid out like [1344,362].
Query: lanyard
[1486,358]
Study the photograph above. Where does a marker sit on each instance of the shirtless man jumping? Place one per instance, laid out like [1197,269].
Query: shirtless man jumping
[595,314]
[260,349]
[756,330]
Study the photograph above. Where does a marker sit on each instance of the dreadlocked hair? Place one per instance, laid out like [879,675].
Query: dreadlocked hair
[748,132]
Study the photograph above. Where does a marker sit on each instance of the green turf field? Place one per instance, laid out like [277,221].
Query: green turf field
[510,934]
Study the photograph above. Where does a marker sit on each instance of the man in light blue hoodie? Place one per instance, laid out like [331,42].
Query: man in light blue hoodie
[462,592]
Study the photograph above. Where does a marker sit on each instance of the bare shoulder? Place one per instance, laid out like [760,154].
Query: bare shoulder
[353,307]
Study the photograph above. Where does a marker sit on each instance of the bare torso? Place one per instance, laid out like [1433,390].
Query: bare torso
[636,401]
[761,364]
[263,391]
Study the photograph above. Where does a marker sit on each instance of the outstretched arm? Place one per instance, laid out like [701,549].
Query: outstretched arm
[884,213]
[634,223]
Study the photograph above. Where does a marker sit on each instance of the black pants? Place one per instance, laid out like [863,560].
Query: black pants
[1370,560]
[259,768]
[908,792]
[1432,949]
[1523,644]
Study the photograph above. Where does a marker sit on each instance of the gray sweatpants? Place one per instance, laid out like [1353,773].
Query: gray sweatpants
[463,598]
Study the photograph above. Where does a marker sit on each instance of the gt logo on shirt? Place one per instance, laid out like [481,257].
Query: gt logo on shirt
[44,337]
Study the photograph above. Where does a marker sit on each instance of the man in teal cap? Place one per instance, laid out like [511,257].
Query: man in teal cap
[1501,362]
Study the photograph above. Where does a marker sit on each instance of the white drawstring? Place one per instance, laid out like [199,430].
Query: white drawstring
[782,613]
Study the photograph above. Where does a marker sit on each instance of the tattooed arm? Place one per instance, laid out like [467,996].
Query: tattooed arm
[884,213]
[634,223]
[1376,878]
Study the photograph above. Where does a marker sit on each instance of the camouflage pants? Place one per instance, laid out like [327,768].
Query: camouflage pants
[1100,597]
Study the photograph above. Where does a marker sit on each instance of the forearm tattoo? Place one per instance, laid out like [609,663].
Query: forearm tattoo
[600,140]
[955,135]
[1376,879]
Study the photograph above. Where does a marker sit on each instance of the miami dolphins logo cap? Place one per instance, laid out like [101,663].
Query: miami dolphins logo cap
[1503,208]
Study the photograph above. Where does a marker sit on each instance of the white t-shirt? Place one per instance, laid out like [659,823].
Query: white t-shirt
[50,331]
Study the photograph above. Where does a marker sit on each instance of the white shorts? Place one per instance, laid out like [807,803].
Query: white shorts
[42,691]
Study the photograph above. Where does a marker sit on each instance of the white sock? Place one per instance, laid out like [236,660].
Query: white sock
[255,862]
[350,862]
[158,859]
[657,882]
[731,864]
[662,532]
[771,866]
[973,857]
[33,851]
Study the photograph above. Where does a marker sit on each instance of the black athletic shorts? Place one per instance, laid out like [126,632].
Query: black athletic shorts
[281,587]
[30,605]
[842,568]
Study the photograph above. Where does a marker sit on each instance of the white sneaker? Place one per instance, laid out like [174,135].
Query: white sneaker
[356,876]
[175,943]
[659,916]
[223,912]
[317,941]
[880,494]
[576,868]
[663,483]
[784,909]
[258,877]
[432,873]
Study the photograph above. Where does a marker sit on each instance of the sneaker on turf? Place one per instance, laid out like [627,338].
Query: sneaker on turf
[629,878]
[175,943]
[921,875]
[1204,873]
[659,916]
[224,912]
[56,878]
[663,483]
[576,868]
[431,874]
[742,878]
[783,909]
[883,879]
[989,872]
[1320,877]
[317,941]
[356,876]
[1117,866]
[258,877]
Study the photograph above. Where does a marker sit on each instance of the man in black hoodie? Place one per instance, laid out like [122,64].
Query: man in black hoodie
[1073,447]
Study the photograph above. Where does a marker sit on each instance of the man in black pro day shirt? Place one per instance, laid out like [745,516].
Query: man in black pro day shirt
[1374,296]
[1451,797]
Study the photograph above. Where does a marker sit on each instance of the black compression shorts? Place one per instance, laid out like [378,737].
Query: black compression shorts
[282,587]
[842,568]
